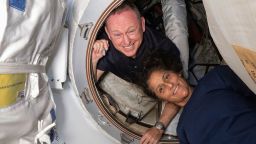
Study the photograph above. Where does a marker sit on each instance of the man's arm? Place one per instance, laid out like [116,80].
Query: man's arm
[99,50]
[153,134]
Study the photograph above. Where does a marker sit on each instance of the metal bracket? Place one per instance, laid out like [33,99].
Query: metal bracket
[85,96]
[85,29]
[126,139]
[102,120]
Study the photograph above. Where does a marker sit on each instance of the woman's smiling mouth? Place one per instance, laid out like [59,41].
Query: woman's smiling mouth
[175,90]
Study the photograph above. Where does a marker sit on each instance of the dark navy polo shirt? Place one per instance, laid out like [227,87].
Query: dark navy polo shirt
[126,67]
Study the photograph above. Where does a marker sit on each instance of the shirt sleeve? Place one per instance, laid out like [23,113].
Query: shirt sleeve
[103,64]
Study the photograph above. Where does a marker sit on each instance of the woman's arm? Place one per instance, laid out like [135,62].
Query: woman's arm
[153,134]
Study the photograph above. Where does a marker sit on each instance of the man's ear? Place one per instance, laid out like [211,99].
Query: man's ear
[106,30]
[143,23]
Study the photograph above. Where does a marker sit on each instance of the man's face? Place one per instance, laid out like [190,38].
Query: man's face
[125,30]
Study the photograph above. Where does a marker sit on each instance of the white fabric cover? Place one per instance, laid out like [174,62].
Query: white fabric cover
[175,24]
[26,40]
[232,25]
[26,37]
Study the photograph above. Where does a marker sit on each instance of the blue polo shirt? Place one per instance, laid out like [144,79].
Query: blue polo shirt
[221,110]
[126,67]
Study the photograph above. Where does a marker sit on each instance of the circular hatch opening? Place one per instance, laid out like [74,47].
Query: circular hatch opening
[107,91]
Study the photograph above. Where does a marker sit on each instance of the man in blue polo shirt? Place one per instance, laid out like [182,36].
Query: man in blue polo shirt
[121,50]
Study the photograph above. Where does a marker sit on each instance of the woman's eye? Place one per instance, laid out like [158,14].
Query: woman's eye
[166,76]
[160,89]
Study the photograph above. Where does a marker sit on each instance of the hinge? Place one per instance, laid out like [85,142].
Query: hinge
[85,29]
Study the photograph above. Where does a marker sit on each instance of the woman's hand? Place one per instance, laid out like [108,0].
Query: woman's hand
[152,136]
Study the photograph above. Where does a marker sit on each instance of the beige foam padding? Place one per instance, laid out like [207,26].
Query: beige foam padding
[129,97]
[248,58]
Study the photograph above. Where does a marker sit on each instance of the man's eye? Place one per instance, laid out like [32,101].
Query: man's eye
[117,35]
[131,31]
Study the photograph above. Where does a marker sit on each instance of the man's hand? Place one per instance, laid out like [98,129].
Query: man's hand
[152,136]
[100,48]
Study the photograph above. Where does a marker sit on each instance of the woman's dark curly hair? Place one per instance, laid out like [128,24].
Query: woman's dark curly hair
[157,60]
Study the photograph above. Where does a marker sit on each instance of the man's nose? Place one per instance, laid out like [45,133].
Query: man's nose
[126,40]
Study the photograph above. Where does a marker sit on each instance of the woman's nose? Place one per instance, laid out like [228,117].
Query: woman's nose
[170,85]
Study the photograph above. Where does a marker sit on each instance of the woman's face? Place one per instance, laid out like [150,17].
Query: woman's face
[169,86]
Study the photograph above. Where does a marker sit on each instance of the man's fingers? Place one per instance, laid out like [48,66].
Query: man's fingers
[100,46]
[96,47]
[103,52]
[105,44]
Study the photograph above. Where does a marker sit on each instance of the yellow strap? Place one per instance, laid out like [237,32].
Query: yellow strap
[10,87]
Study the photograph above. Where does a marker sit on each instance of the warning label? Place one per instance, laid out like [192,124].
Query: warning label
[11,87]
